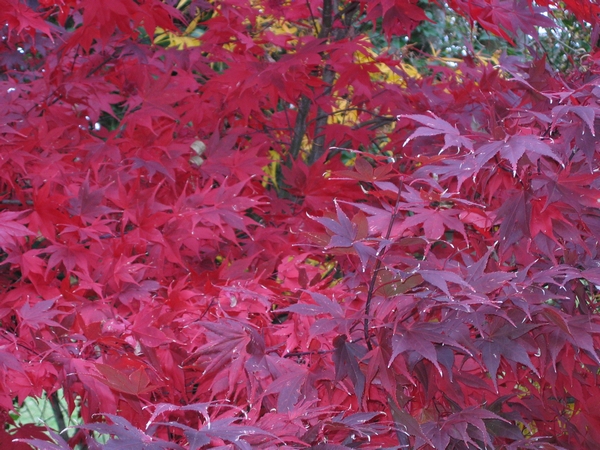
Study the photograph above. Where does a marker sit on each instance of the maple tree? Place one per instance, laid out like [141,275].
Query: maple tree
[247,224]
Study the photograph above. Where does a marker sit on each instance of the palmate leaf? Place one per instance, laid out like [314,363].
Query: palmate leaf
[514,148]
[88,203]
[288,387]
[201,306]
[135,383]
[414,341]
[435,126]
[457,426]
[347,234]
[11,228]
[586,113]
[226,340]
[323,305]
[363,424]
[513,215]
[423,339]
[440,279]
[22,20]
[506,341]
[29,435]
[162,408]
[40,314]
[483,280]
[71,255]
[223,429]
[434,222]
[346,358]
[125,435]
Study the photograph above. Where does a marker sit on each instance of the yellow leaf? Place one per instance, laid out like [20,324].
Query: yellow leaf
[181,41]
[411,71]
[271,169]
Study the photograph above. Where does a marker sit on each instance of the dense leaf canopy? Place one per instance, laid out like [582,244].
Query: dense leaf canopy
[326,224]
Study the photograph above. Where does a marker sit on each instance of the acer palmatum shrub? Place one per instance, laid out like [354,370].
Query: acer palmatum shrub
[235,224]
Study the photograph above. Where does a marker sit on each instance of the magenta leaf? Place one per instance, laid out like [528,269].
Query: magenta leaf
[11,228]
[39,314]
[436,126]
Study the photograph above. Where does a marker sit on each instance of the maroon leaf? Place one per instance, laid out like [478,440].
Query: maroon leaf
[417,341]
[346,358]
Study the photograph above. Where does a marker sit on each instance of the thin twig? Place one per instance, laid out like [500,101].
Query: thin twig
[347,13]
[378,266]
[318,146]
[314,352]
[358,109]
[15,202]
[312,16]
[105,61]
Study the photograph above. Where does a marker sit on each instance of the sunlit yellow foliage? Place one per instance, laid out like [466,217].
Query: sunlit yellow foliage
[279,27]
[271,169]
[385,72]
[343,111]
[190,37]
[343,114]
[435,56]
[180,40]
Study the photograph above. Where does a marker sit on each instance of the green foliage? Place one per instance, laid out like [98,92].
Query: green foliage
[452,37]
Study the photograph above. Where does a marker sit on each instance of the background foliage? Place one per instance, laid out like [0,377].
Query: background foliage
[329,224]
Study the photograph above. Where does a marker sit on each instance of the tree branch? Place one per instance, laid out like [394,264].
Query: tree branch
[329,15]
[318,147]
[58,415]
[300,126]
[15,202]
